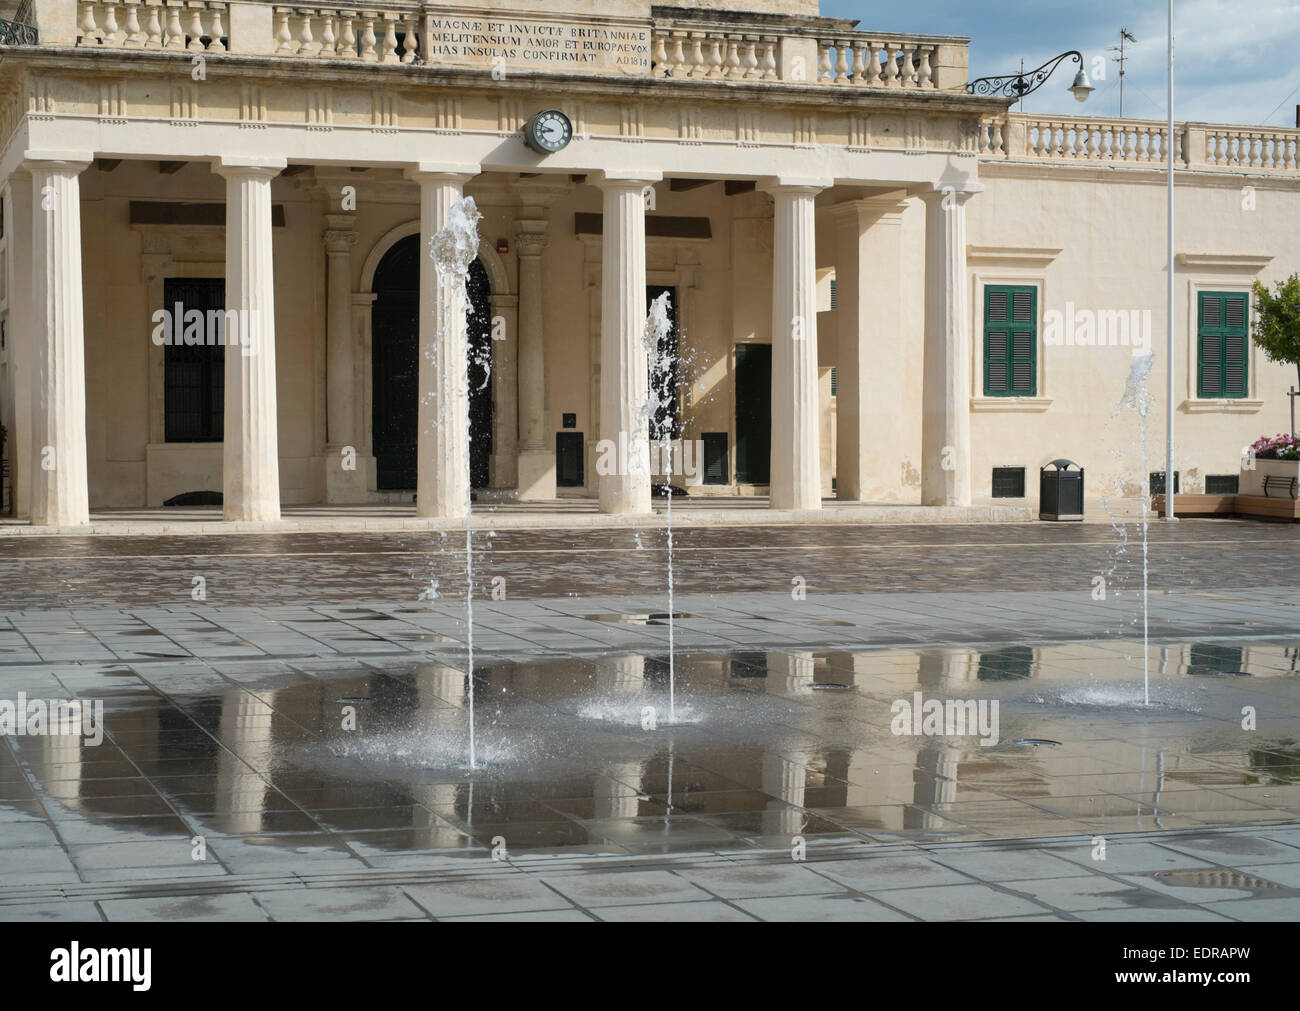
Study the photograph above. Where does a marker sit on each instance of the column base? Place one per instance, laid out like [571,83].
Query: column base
[346,487]
[503,469]
[536,475]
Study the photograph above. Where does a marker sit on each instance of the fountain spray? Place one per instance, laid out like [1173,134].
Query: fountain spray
[1138,397]
[453,248]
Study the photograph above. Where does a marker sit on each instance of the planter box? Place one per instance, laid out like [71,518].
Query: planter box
[1252,481]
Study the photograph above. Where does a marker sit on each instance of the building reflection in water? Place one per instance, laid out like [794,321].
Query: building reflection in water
[822,744]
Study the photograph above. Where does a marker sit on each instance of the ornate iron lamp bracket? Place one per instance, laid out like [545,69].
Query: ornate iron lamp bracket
[1021,84]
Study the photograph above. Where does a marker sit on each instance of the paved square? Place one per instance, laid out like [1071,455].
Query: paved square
[297,745]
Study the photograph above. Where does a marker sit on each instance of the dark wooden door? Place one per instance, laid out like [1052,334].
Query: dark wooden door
[395,368]
[194,376]
[395,365]
[753,413]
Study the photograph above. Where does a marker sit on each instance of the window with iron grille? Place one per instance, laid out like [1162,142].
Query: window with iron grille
[1157,482]
[1221,338]
[194,375]
[1010,341]
[1222,484]
[1008,482]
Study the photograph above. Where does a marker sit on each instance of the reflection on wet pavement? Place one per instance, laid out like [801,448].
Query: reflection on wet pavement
[338,764]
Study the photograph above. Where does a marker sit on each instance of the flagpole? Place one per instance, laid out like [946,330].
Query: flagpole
[1169,406]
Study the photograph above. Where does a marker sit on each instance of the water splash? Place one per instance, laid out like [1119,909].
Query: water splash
[629,711]
[1138,398]
[661,408]
[453,248]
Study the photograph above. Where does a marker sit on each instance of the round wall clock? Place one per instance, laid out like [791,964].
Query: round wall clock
[549,131]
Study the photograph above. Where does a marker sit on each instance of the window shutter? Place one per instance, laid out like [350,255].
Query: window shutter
[1234,346]
[1222,321]
[1010,341]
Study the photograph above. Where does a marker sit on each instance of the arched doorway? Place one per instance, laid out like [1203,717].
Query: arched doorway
[395,368]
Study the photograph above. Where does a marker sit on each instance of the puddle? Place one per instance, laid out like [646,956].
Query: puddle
[580,749]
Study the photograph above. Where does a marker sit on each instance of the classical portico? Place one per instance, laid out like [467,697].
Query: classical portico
[726,169]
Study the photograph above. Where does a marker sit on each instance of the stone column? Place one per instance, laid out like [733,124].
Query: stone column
[59,492]
[536,459]
[624,366]
[443,479]
[344,475]
[21,341]
[251,450]
[796,457]
[945,420]
[869,444]
[503,467]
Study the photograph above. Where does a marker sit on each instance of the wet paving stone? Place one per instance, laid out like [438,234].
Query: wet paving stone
[310,723]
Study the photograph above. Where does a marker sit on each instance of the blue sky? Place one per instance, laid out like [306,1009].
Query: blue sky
[1236,61]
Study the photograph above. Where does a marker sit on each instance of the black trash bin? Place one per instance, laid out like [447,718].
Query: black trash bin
[1060,492]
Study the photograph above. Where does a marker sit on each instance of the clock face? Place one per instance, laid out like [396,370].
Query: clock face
[549,131]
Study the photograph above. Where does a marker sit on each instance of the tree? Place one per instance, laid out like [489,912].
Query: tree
[1277,321]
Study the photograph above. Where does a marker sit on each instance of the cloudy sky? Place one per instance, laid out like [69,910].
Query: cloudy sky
[1238,61]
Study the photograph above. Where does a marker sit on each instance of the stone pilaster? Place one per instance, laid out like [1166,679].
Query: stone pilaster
[251,450]
[796,459]
[344,472]
[59,490]
[21,339]
[503,467]
[624,366]
[869,445]
[536,459]
[945,421]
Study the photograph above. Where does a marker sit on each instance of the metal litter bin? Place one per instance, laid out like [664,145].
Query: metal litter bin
[1060,492]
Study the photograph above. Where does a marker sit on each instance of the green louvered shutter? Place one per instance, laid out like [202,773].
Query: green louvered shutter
[1010,341]
[1221,339]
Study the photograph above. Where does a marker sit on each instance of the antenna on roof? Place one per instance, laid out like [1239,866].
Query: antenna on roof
[1124,36]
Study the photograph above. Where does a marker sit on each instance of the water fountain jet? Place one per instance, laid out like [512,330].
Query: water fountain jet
[452,249]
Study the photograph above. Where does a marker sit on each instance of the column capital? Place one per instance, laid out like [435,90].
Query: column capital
[795,184]
[960,191]
[530,236]
[48,160]
[340,236]
[236,167]
[449,172]
[625,179]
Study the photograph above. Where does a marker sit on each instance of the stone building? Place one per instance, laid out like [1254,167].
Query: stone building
[884,288]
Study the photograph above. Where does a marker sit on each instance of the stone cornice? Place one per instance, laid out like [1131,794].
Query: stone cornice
[1149,175]
[1006,256]
[1250,263]
[279,70]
